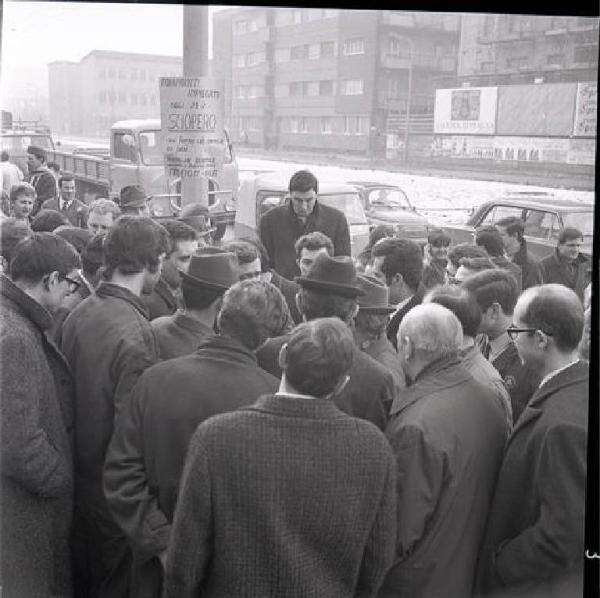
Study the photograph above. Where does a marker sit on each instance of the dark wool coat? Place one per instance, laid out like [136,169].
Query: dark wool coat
[37,470]
[530,267]
[382,351]
[555,270]
[535,532]
[396,318]
[280,228]
[109,343]
[45,186]
[161,301]
[290,498]
[76,212]
[369,393]
[179,334]
[289,289]
[148,449]
[448,438]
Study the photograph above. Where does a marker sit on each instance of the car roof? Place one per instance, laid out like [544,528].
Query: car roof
[546,203]
[372,184]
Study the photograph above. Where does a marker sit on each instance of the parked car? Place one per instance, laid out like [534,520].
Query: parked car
[259,193]
[543,213]
[388,204]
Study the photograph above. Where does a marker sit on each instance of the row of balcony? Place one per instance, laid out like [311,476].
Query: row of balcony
[422,21]
[418,60]
[528,34]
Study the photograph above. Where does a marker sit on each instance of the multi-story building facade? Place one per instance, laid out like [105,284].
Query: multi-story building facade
[87,97]
[328,79]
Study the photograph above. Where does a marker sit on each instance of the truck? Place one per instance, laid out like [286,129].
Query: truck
[134,157]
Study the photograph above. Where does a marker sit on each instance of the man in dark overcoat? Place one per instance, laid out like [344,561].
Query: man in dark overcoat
[37,419]
[288,497]
[330,289]
[282,226]
[146,455]
[109,343]
[448,436]
[40,177]
[67,203]
[567,265]
[534,540]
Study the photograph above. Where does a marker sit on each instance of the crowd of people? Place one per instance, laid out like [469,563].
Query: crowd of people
[270,416]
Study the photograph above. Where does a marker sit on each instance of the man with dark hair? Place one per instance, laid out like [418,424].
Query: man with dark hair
[248,257]
[534,541]
[464,306]
[399,264]
[469,266]
[67,203]
[331,488]
[40,178]
[280,227]
[202,286]
[490,239]
[456,253]
[380,231]
[10,174]
[147,452]
[448,437]
[307,248]
[165,298]
[12,230]
[567,265]
[496,293]
[36,406]
[436,258]
[21,201]
[109,343]
[330,289]
[512,230]
[45,221]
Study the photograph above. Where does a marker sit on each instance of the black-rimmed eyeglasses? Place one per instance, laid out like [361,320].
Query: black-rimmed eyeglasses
[513,331]
[73,284]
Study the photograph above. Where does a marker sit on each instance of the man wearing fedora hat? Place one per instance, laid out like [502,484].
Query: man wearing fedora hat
[203,285]
[147,452]
[133,201]
[331,289]
[370,327]
[40,177]
[198,217]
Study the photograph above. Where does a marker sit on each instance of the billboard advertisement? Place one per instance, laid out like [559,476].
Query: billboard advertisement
[468,110]
[586,110]
[531,149]
[463,146]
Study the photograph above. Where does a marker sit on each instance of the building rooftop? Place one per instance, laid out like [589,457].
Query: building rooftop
[127,55]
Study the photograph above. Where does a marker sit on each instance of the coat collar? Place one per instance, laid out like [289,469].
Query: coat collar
[437,376]
[184,320]
[311,217]
[109,289]
[226,346]
[28,306]
[296,407]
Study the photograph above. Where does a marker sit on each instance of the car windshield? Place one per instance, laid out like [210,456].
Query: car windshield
[389,198]
[349,203]
[150,148]
[584,221]
[17,144]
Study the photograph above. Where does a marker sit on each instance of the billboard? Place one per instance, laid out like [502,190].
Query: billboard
[586,110]
[531,149]
[468,110]
[467,146]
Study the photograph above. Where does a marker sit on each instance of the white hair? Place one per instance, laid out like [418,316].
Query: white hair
[432,329]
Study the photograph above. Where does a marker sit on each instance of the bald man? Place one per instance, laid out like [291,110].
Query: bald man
[534,541]
[448,437]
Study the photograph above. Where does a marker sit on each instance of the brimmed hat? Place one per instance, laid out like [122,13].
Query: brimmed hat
[336,275]
[37,151]
[132,196]
[212,270]
[376,297]
[197,216]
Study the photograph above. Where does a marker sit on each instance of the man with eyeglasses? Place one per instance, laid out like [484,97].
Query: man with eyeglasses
[282,226]
[534,541]
[35,401]
[567,265]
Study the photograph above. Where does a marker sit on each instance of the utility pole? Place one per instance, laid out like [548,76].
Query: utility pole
[195,64]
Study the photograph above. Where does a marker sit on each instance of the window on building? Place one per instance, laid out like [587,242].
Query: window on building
[296,88]
[254,58]
[282,91]
[240,27]
[240,92]
[112,96]
[256,91]
[297,17]
[101,73]
[587,54]
[352,87]
[142,74]
[153,100]
[326,88]
[143,99]
[293,125]
[121,74]
[253,25]
[557,59]
[134,75]
[239,61]
[326,128]
[398,47]
[303,125]
[310,88]
[355,125]
[283,17]
[327,49]
[355,45]
[486,67]
[282,55]
[102,97]
[314,51]
[299,52]
[122,97]
[133,99]
[517,62]
[111,73]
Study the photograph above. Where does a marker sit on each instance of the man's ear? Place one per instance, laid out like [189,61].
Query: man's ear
[406,347]
[282,359]
[542,339]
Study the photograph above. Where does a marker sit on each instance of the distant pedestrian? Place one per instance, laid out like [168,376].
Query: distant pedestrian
[67,203]
[133,201]
[436,258]
[202,286]
[512,230]
[567,265]
[282,226]
[448,439]
[21,201]
[40,177]
[534,541]
[10,173]
[102,215]
[147,452]
[490,239]
[36,405]
[109,343]
[316,485]
[45,221]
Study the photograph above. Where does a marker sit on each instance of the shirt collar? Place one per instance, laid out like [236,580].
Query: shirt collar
[551,375]
[293,395]
[498,345]
[401,305]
